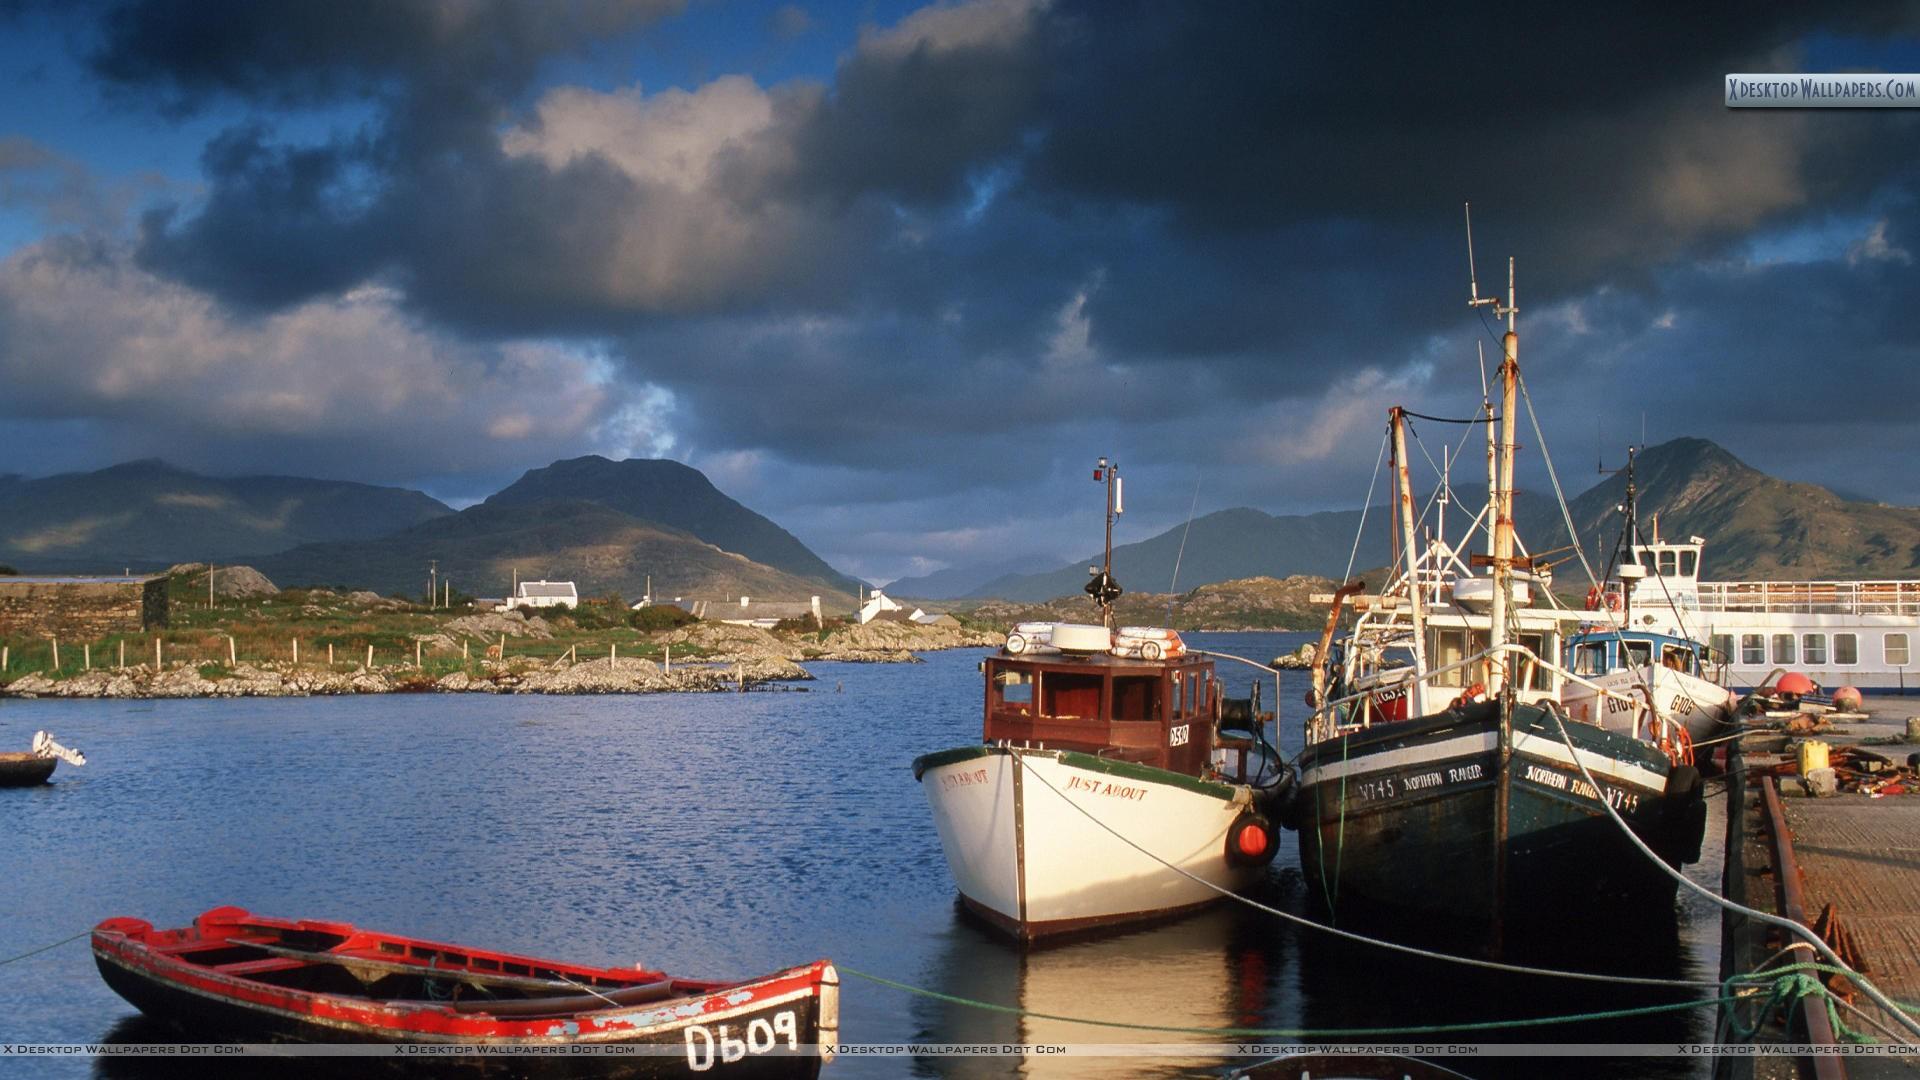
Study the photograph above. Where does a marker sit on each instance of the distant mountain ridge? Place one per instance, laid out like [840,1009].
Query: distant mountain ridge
[678,496]
[600,549]
[148,514]
[1756,526]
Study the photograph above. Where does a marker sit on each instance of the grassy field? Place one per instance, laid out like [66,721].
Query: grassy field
[312,622]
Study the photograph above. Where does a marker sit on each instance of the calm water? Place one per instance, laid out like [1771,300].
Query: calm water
[711,835]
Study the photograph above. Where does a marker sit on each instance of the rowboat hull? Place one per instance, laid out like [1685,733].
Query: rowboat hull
[1045,842]
[213,980]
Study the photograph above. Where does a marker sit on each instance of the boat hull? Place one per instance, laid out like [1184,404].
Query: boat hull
[765,1027]
[1035,837]
[25,770]
[1446,817]
[1701,706]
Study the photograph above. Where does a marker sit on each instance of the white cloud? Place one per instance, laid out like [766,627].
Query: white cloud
[1875,247]
[85,334]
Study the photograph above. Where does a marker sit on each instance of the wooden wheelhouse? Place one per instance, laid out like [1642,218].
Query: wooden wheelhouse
[1162,713]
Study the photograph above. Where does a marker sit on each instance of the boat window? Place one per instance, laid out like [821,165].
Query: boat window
[1194,700]
[1813,648]
[1136,697]
[1846,648]
[1070,695]
[1676,658]
[1533,676]
[1783,648]
[1647,563]
[1753,649]
[1590,658]
[1897,653]
[1449,647]
[1013,691]
[1721,648]
[1669,564]
[1639,653]
[1179,696]
[1689,563]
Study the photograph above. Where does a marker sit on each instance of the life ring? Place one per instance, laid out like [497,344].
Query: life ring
[1613,601]
[1672,738]
[1594,598]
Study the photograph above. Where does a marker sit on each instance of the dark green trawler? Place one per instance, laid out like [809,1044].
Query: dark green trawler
[1441,783]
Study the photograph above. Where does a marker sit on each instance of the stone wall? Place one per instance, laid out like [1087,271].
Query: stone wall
[81,609]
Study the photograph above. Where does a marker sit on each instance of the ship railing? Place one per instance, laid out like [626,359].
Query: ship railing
[1325,723]
[1812,597]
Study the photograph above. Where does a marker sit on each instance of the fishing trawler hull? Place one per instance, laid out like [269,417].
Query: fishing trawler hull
[1478,827]
[1703,707]
[1044,843]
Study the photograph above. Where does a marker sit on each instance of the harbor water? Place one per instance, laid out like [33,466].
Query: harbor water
[713,835]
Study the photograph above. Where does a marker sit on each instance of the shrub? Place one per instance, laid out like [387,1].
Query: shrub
[657,617]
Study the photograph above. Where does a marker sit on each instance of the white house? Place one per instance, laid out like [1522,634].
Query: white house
[539,594]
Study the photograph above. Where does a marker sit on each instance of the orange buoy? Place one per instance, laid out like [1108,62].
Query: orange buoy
[1847,699]
[1793,683]
[1252,840]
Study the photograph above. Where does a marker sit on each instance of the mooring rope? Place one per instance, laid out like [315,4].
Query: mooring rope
[46,948]
[1797,929]
[1286,1033]
[1413,950]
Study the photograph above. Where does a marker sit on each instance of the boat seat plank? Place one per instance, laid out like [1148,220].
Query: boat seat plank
[375,962]
[206,945]
[555,1006]
[247,968]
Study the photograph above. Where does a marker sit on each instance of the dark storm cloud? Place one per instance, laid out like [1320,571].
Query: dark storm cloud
[1008,232]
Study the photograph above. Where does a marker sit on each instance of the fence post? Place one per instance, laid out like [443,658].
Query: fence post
[503,647]
[369,657]
[329,654]
[669,669]
[613,653]
[156,654]
[6,657]
[86,656]
[233,652]
[465,654]
[296,650]
[56,654]
[123,654]
[416,652]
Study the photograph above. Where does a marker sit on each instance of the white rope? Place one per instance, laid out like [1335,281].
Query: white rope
[1490,965]
[1798,929]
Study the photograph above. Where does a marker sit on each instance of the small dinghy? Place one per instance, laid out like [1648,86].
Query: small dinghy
[237,975]
[37,765]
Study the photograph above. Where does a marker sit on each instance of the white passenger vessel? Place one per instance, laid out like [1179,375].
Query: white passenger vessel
[1837,633]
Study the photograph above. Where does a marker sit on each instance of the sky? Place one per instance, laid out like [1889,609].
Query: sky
[895,275]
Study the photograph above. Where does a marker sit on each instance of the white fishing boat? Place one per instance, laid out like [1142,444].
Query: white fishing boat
[1105,788]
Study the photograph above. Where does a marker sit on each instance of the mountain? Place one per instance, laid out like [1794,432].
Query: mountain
[148,514]
[600,549]
[1756,526]
[958,581]
[679,497]
[1259,603]
[1230,545]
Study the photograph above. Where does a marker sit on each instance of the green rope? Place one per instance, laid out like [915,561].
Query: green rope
[1787,985]
[1294,1033]
[44,948]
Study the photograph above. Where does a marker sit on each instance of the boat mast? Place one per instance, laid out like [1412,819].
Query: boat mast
[1500,494]
[1415,603]
[1627,541]
[1101,586]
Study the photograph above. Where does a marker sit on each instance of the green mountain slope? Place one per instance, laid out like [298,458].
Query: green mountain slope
[601,550]
[679,497]
[148,514]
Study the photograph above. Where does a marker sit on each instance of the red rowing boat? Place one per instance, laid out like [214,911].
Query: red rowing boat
[238,975]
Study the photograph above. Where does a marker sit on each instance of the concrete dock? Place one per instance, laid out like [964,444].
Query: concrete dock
[1859,853]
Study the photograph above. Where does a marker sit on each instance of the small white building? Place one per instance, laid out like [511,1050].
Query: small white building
[543,594]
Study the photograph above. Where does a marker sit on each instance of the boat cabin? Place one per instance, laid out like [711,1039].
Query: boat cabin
[1601,651]
[1161,713]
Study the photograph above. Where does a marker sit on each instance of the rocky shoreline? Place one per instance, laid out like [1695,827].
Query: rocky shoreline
[717,658]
